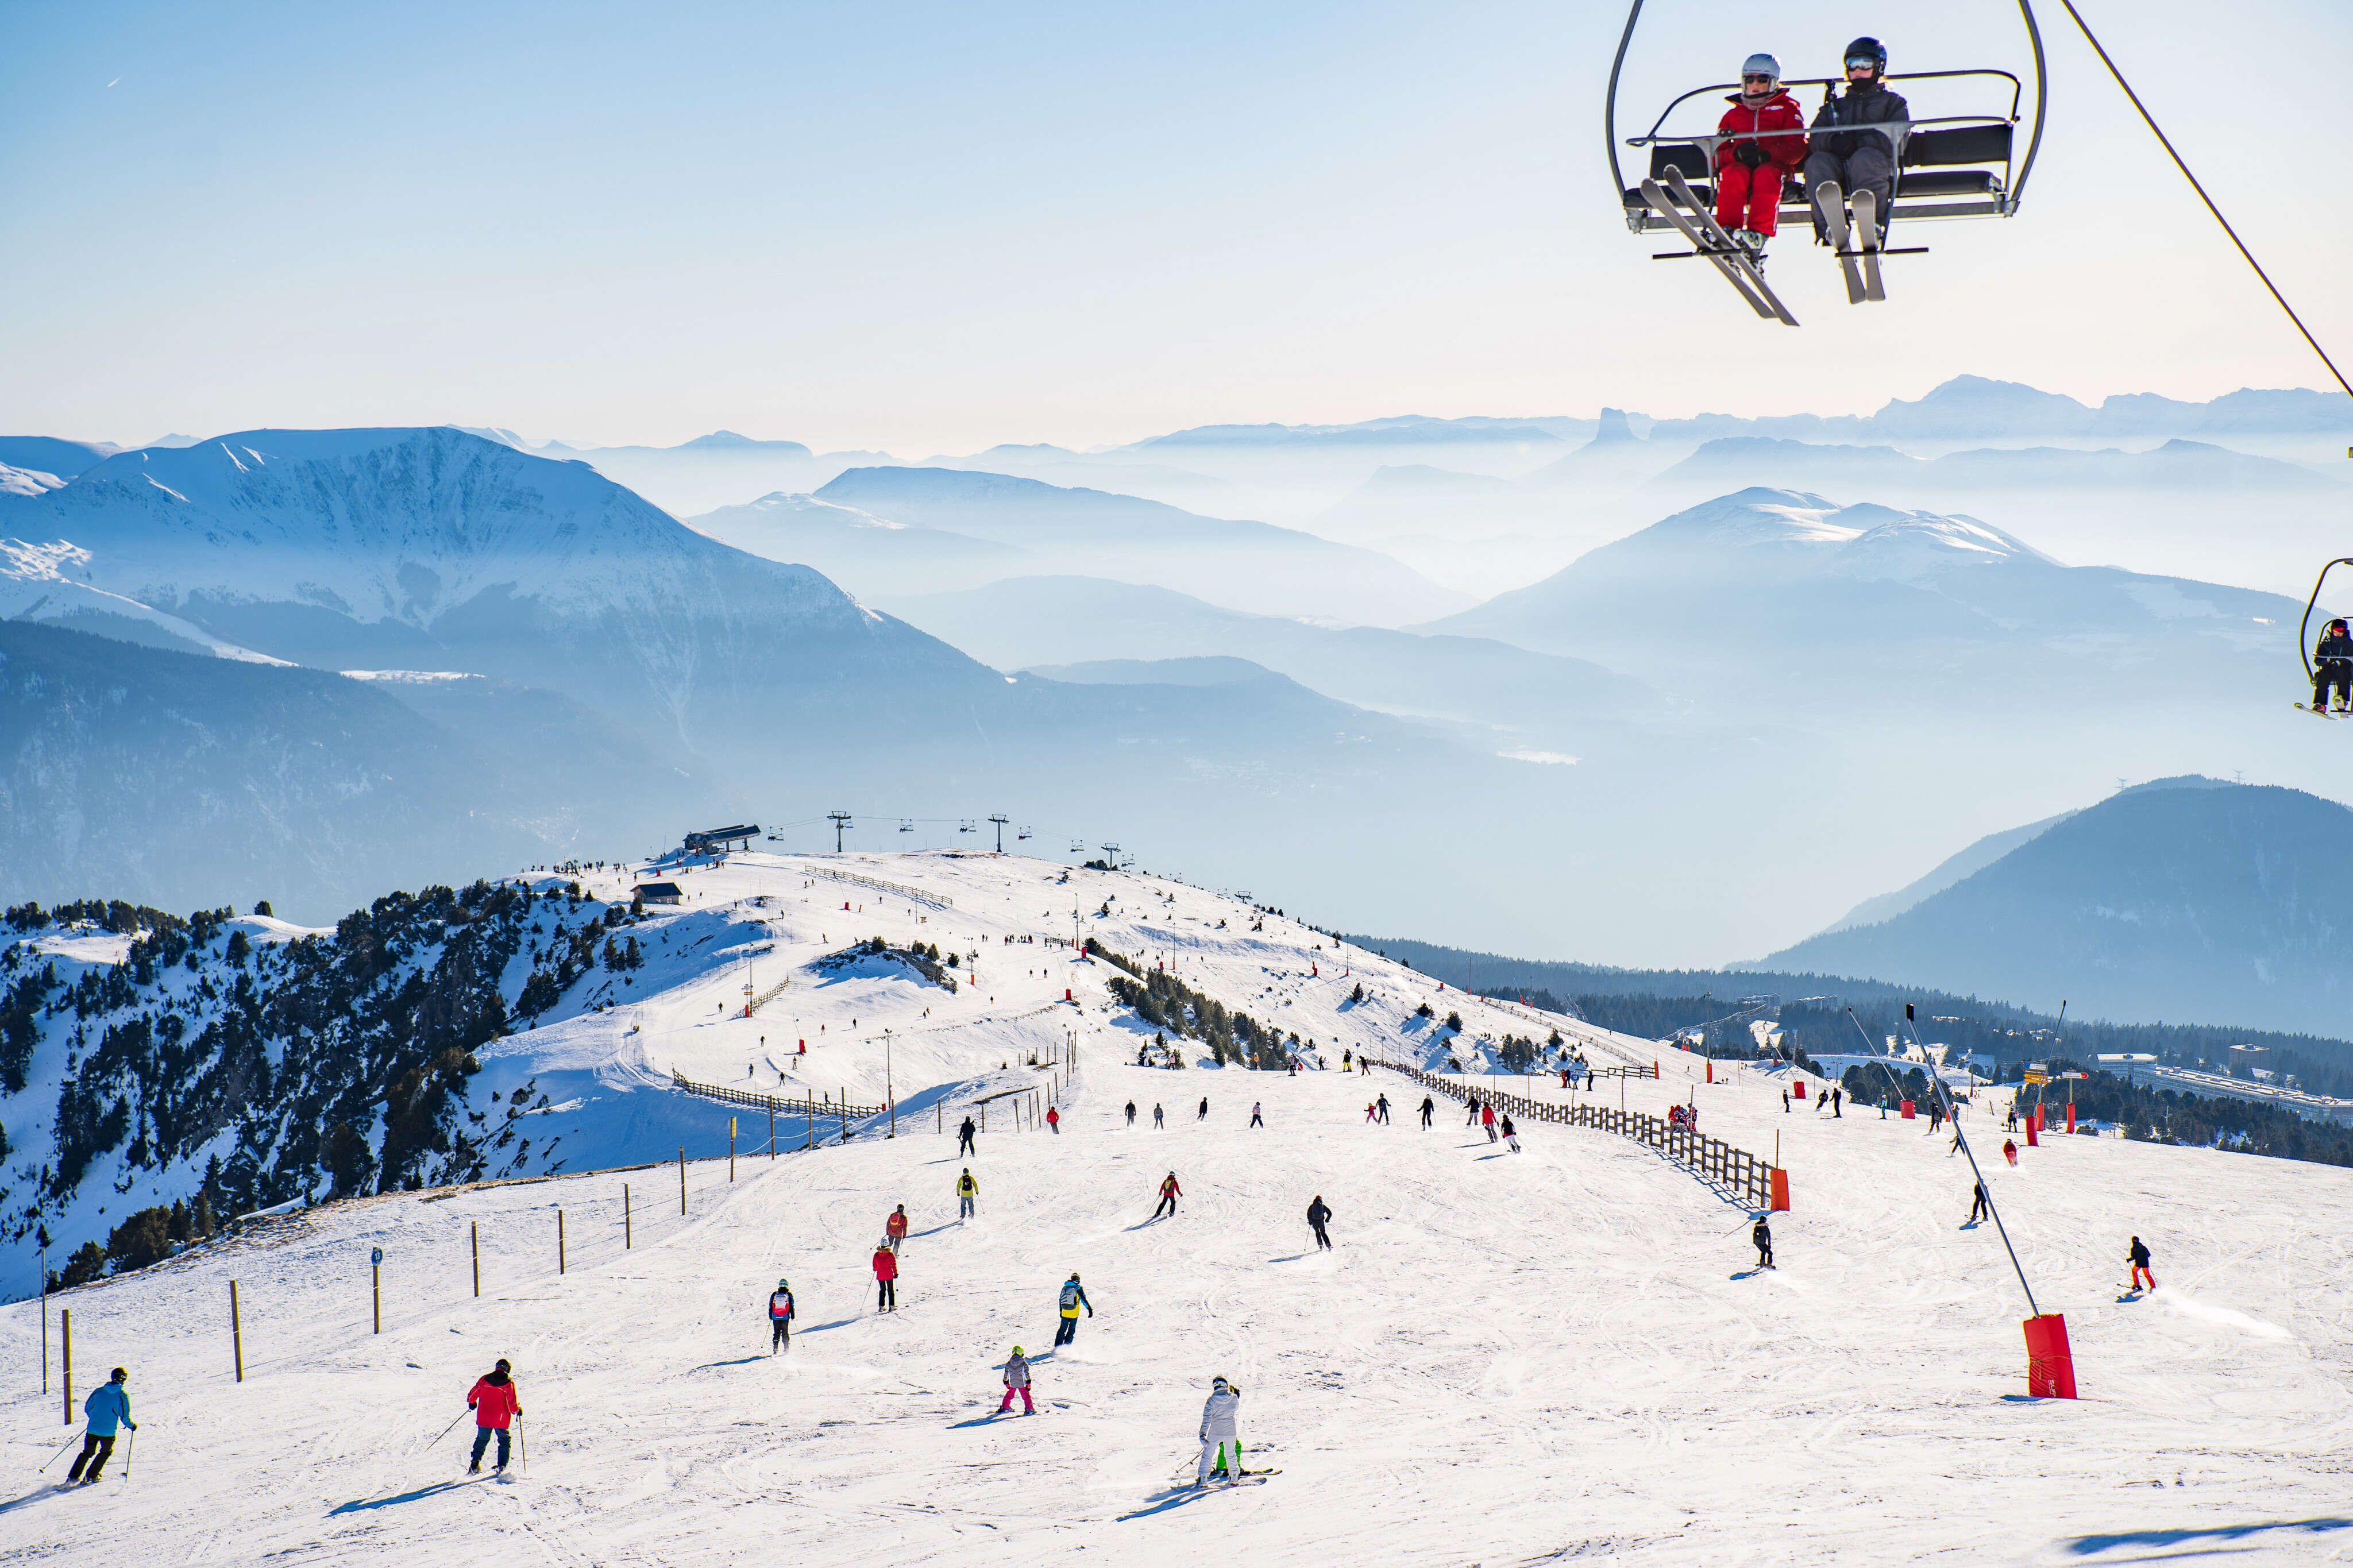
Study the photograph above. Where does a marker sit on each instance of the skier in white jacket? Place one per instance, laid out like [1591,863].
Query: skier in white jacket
[1221,1442]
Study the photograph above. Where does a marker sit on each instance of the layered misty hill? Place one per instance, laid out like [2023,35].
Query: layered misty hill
[1790,600]
[2191,901]
[1051,623]
[1241,564]
[722,468]
[188,779]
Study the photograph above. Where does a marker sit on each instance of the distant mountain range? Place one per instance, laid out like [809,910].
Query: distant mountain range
[2187,900]
[1785,599]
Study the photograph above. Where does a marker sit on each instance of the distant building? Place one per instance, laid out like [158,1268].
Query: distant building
[739,836]
[660,892]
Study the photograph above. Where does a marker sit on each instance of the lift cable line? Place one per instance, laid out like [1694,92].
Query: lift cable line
[2167,143]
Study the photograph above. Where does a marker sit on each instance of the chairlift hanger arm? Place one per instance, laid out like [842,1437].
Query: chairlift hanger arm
[2303,628]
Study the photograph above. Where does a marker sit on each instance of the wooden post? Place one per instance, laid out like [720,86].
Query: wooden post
[627,1241]
[808,1122]
[375,1296]
[730,1148]
[65,1338]
[681,1178]
[559,1241]
[475,1232]
[236,1332]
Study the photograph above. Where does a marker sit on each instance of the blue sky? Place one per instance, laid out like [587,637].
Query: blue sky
[929,228]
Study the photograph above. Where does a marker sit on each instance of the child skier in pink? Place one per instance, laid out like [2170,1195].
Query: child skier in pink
[1017,1376]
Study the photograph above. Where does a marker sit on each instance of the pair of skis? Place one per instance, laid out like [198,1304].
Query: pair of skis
[1860,244]
[1739,265]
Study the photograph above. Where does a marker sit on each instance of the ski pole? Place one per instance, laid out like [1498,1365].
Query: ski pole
[128,1450]
[445,1431]
[61,1453]
[522,1446]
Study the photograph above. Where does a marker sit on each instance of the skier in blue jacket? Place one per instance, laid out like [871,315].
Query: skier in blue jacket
[1073,1297]
[109,1408]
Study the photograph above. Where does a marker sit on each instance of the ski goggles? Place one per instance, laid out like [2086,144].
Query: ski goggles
[1862,63]
[1757,76]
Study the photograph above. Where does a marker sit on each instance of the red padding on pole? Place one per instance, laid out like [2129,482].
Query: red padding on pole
[2071,1116]
[2031,1141]
[2050,1364]
[1908,1109]
[1780,1189]
[1799,1087]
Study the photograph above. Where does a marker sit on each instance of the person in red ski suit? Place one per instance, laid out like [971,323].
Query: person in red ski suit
[1750,168]
[886,1281]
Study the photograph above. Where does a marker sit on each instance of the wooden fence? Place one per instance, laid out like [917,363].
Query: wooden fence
[1736,1169]
[808,1108]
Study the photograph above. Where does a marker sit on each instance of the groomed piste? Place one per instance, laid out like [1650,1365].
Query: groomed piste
[1562,1353]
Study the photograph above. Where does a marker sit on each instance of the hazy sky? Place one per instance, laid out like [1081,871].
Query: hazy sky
[930,227]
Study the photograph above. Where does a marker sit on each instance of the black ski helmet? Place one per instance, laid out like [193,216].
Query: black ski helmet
[1870,49]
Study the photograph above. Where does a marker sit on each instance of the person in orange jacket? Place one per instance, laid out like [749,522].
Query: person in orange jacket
[896,1227]
[886,1279]
[495,1405]
[1053,1120]
[1751,163]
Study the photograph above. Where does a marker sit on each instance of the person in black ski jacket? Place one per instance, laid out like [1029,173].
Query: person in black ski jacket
[1427,1108]
[964,1137]
[1761,1235]
[1131,1113]
[1204,1115]
[1319,1213]
[1980,1209]
[1842,149]
[2332,666]
[2138,1258]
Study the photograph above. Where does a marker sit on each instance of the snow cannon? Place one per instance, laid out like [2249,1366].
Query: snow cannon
[2049,1363]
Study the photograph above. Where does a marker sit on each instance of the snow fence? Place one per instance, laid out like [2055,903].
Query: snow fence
[1735,1172]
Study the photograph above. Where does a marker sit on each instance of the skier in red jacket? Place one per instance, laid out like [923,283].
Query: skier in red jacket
[1750,167]
[886,1278]
[495,1404]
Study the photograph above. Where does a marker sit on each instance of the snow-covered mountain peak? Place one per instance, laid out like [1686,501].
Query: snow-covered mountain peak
[381,524]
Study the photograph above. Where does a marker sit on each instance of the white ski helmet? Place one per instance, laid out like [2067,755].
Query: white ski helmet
[1762,65]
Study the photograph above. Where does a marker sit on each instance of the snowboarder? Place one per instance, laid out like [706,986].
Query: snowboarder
[1169,1193]
[780,1317]
[1054,1120]
[1429,1109]
[1510,1136]
[1204,1116]
[1821,1100]
[1319,1213]
[1752,163]
[2332,666]
[1487,1118]
[1074,1295]
[1256,1120]
[964,1138]
[1221,1442]
[896,1227]
[966,1190]
[1130,1109]
[2138,1258]
[495,1402]
[1854,158]
[1761,1236]
[1838,1097]
[1384,1104]
[1980,1208]
[1158,1122]
[107,1409]
[886,1281]
[1017,1376]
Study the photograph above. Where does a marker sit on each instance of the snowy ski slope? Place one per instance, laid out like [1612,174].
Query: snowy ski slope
[1559,1354]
